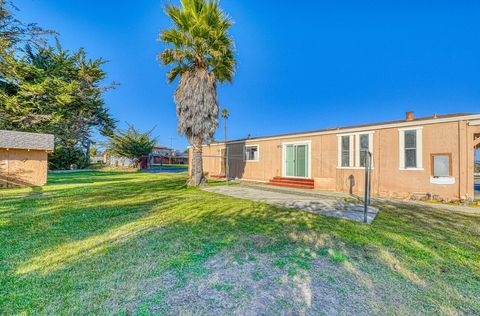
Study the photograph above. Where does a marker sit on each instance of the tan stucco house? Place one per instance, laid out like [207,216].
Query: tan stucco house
[429,156]
[24,158]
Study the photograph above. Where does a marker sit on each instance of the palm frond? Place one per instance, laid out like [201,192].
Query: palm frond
[200,31]
[175,72]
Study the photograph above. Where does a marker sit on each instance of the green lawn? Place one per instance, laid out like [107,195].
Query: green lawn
[139,243]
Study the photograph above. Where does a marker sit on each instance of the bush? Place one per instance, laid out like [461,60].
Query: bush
[131,143]
[63,157]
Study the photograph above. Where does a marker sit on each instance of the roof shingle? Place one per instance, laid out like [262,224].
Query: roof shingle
[23,140]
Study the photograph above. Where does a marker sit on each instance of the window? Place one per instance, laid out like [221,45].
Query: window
[251,153]
[441,165]
[353,148]
[410,149]
[364,147]
[345,151]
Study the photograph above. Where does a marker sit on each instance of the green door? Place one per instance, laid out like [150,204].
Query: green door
[290,161]
[301,161]
[296,161]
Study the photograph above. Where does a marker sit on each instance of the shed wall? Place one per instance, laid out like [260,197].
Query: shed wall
[20,167]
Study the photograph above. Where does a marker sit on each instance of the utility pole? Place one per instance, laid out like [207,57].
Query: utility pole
[171,142]
[225,114]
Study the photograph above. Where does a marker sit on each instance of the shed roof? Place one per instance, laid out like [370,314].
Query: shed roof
[23,140]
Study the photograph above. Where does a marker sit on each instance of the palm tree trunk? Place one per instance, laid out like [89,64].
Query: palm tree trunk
[197,165]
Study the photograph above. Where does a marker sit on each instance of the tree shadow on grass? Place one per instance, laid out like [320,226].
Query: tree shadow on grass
[39,219]
[88,177]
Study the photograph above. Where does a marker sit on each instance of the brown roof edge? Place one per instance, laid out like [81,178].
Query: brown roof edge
[424,118]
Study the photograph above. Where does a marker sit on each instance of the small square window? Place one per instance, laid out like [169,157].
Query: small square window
[251,153]
[441,165]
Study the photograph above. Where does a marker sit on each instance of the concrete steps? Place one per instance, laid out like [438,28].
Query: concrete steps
[299,183]
[217,176]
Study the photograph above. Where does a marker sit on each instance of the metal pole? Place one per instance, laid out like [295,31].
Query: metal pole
[227,171]
[369,178]
[366,201]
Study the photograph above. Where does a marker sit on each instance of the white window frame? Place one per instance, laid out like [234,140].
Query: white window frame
[245,150]
[351,149]
[354,149]
[401,147]
[309,154]
[357,147]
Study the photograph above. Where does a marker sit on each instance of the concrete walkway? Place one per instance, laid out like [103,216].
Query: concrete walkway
[297,200]
[380,200]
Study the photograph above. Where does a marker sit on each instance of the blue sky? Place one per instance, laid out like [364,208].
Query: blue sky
[301,65]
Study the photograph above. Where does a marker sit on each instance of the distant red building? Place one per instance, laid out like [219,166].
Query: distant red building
[162,155]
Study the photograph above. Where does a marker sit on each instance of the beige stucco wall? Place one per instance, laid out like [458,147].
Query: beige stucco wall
[455,138]
[23,167]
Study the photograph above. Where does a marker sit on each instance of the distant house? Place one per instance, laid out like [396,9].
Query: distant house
[117,161]
[165,155]
[179,158]
[428,156]
[162,151]
[24,158]
[98,158]
[159,155]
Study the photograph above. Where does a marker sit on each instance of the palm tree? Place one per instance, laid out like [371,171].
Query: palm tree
[225,114]
[200,51]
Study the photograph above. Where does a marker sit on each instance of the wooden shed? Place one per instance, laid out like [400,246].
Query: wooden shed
[24,158]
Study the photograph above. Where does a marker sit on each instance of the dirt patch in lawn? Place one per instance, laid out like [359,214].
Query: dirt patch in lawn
[260,278]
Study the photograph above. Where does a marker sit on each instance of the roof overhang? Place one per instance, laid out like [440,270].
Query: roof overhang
[474,123]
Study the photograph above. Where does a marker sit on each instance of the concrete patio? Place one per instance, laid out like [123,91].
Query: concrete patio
[297,200]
